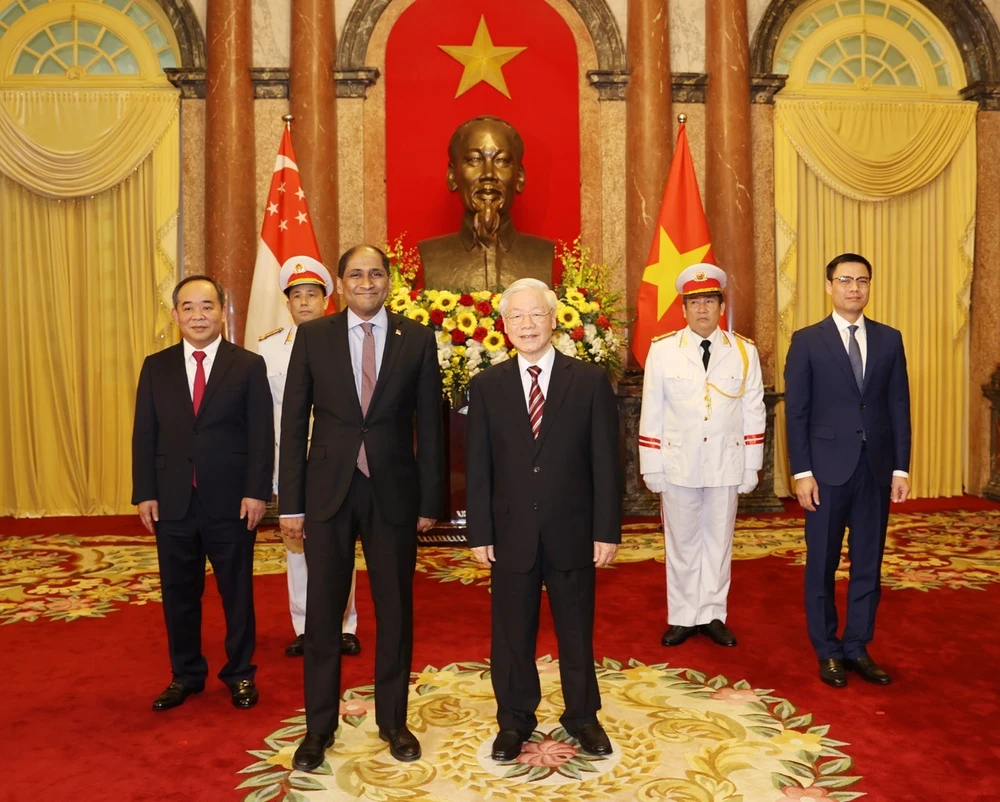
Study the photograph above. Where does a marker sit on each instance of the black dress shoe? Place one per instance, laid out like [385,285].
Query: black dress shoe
[244,694]
[869,670]
[296,648]
[507,745]
[311,753]
[676,635]
[349,644]
[403,744]
[718,632]
[593,739]
[831,671]
[174,696]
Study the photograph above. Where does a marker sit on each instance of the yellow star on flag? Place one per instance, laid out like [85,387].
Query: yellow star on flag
[664,272]
[482,61]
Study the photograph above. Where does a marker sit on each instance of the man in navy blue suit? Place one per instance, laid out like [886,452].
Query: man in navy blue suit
[847,402]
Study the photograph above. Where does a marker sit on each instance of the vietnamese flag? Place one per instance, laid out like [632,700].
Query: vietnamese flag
[286,232]
[681,240]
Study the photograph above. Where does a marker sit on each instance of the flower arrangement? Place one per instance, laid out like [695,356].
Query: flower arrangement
[470,331]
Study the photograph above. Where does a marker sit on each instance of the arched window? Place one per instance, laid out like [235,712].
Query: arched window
[103,42]
[894,47]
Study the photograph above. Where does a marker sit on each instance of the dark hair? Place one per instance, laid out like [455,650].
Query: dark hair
[188,279]
[342,264]
[847,258]
[717,294]
[516,141]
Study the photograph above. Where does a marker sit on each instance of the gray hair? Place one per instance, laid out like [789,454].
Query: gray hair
[528,284]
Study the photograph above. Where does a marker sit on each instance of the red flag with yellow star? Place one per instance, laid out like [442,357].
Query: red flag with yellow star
[681,239]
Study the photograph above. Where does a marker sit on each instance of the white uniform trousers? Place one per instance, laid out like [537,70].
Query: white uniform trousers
[297,577]
[698,533]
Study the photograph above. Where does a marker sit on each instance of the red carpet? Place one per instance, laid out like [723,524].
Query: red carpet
[78,723]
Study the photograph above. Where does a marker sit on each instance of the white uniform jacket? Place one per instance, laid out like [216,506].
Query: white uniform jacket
[276,348]
[698,428]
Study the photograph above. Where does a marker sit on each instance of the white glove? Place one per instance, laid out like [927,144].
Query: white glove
[656,482]
[749,482]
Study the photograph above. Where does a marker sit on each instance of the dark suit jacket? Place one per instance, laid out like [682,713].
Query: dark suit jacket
[320,379]
[826,413]
[230,443]
[565,489]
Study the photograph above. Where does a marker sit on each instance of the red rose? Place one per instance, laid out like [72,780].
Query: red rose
[602,322]
[457,336]
[480,334]
[584,292]
[414,294]
[484,308]
[577,333]
[437,317]
[466,300]
[498,325]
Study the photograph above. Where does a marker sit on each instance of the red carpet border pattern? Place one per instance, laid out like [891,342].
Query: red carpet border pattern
[677,734]
[67,577]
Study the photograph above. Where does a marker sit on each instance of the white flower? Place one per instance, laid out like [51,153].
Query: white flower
[590,331]
[564,343]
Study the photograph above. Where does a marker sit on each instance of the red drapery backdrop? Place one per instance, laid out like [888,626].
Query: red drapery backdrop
[422,112]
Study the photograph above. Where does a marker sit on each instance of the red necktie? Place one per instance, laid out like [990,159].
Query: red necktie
[199,390]
[536,402]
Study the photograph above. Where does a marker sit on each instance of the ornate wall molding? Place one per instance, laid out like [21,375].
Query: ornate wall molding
[970,23]
[187,29]
[609,78]
[268,83]
[690,87]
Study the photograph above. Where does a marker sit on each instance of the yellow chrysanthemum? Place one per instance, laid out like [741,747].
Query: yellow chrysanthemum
[420,315]
[445,301]
[466,322]
[448,324]
[494,341]
[567,316]
[431,295]
[487,323]
[495,301]
[459,350]
[443,337]
[482,295]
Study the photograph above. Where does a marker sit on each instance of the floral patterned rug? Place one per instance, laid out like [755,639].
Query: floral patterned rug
[65,577]
[677,735]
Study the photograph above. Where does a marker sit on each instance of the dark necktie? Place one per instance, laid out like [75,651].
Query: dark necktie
[536,402]
[198,393]
[367,386]
[705,345]
[854,354]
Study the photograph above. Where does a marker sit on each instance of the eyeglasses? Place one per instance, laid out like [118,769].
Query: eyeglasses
[519,319]
[850,281]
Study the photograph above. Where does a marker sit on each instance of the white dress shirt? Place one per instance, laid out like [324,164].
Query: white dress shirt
[546,362]
[356,340]
[861,335]
[191,364]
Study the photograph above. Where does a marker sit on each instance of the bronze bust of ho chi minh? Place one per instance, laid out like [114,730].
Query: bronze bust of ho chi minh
[487,252]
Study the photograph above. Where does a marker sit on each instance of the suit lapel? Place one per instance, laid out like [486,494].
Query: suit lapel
[393,345]
[514,391]
[874,337]
[224,359]
[691,347]
[559,384]
[831,338]
[340,347]
[720,352]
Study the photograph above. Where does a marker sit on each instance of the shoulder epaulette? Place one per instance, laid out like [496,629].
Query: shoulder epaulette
[659,337]
[270,334]
[745,339]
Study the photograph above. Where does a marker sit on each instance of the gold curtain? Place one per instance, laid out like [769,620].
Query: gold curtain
[85,281]
[895,182]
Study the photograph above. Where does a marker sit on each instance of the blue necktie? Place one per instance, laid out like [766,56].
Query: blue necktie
[854,354]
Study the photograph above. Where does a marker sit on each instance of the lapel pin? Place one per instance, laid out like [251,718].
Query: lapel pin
[397,332]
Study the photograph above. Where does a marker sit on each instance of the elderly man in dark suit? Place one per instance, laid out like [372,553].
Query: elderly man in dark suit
[362,374]
[544,506]
[847,401]
[202,458]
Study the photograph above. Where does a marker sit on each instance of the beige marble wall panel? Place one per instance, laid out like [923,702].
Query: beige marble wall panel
[351,170]
[985,316]
[766,305]
[192,187]
[613,190]
[272,25]
[268,130]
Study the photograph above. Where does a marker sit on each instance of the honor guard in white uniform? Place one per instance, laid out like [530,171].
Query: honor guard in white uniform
[308,285]
[701,441]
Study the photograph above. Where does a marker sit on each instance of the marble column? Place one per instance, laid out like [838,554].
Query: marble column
[648,133]
[313,102]
[728,165]
[230,206]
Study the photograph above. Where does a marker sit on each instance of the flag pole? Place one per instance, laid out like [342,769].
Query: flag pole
[682,118]
[288,120]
